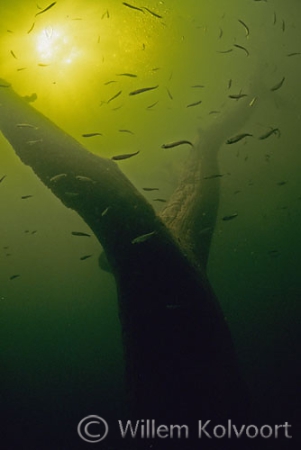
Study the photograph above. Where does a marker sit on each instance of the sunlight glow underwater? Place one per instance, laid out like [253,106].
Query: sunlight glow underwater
[54,45]
[60,47]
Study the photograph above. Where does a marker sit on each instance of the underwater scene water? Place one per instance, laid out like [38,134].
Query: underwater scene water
[128,78]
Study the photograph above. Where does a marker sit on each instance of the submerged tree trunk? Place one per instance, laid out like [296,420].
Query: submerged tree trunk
[180,361]
[191,211]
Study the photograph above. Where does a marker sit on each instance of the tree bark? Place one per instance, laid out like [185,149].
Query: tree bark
[180,361]
[192,209]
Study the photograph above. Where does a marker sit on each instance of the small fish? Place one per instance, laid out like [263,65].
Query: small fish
[125,131]
[84,179]
[58,177]
[220,33]
[13,54]
[242,48]
[105,211]
[194,104]
[34,142]
[24,197]
[278,85]
[148,189]
[43,65]
[169,94]
[114,96]
[274,19]
[245,27]
[218,175]
[106,14]
[26,125]
[132,7]
[214,112]
[143,238]
[109,82]
[230,217]
[152,13]
[31,28]
[21,68]
[80,233]
[131,75]
[46,9]
[48,32]
[139,91]
[124,156]
[294,54]
[34,231]
[237,138]
[162,200]
[237,96]
[283,26]
[253,101]
[176,143]
[14,276]
[205,230]
[229,84]
[152,105]
[87,135]
[72,194]
[2,178]
[269,133]
[198,86]
[83,258]
[281,183]
[225,51]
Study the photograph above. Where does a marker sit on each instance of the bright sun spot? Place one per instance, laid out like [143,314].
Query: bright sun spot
[55,46]
[72,52]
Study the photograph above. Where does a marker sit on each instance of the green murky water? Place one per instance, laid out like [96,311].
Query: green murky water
[61,350]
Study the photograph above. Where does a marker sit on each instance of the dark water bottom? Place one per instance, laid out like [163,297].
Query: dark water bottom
[51,424]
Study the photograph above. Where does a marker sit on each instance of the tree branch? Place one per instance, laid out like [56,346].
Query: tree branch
[192,209]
